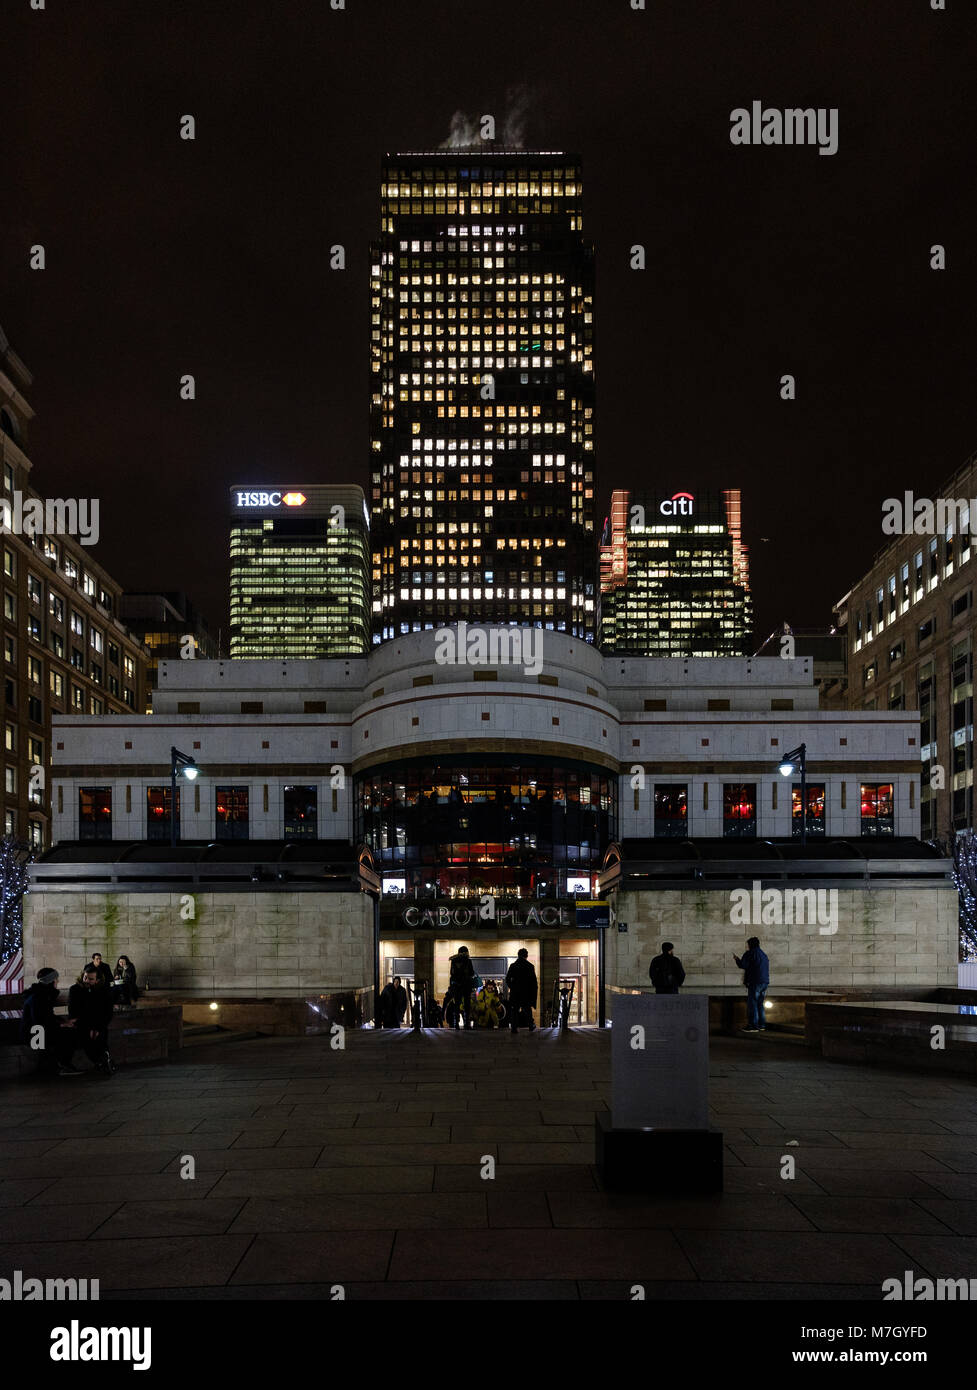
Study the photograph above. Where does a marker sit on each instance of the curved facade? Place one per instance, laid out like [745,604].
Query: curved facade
[479,820]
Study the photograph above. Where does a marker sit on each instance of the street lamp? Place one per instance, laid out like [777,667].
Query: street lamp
[179,762]
[797,758]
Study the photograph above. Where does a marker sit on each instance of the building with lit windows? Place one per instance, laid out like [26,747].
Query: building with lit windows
[911,625]
[171,628]
[353,817]
[299,571]
[483,393]
[65,650]
[674,576]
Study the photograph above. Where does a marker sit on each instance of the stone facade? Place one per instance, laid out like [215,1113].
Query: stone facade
[886,937]
[242,941]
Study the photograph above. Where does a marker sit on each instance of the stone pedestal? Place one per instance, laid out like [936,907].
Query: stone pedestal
[661,1162]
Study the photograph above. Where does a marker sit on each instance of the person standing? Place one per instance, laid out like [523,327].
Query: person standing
[460,984]
[393,1004]
[665,971]
[90,1010]
[756,976]
[523,991]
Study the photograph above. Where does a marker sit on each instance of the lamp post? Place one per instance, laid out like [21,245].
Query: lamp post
[797,757]
[179,762]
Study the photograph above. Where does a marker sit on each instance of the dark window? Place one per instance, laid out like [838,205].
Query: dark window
[232,813]
[926,630]
[877,809]
[301,813]
[739,810]
[671,810]
[960,604]
[35,710]
[94,813]
[815,809]
[158,813]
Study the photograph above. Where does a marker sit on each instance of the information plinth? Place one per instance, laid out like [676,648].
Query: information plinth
[657,1136]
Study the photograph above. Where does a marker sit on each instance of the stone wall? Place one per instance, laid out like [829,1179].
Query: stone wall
[885,937]
[261,941]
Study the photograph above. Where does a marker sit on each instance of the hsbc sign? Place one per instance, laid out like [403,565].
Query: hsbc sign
[269,499]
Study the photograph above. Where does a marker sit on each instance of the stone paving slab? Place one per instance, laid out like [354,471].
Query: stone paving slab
[365,1167]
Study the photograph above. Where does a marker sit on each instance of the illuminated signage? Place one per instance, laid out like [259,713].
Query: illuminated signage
[443,916]
[678,505]
[269,499]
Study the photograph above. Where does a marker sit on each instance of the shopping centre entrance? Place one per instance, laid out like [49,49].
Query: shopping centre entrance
[418,940]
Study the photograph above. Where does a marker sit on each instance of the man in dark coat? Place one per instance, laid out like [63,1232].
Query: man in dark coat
[460,984]
[756,976]
[393,1005]
[90,1010]
[102,971]
[56,1043]
[523,991]
[666,971]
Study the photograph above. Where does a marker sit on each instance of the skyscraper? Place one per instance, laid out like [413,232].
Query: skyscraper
[299,571]
[483,393]
[674,576]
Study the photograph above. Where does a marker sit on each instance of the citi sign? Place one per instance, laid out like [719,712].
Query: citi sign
[678,505]
[269,499]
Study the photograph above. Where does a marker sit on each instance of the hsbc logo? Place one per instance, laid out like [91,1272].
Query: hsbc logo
[269,499]
[678,505]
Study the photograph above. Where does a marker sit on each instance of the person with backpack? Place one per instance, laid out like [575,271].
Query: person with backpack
[56,1042]
[460,984]
[665,971]
[755,966]
[90,1011]
[523,988]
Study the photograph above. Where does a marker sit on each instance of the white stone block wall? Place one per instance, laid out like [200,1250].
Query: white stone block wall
[886,937]
[261,941]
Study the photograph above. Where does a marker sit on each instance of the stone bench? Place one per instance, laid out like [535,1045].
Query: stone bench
[875,1046]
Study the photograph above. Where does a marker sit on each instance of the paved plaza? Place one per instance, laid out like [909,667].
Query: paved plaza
[363,1167]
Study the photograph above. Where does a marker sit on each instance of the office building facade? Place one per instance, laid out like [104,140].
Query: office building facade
[674,575]
[170,627]
[65,649]
[300,558]
[911,626]
[483,394]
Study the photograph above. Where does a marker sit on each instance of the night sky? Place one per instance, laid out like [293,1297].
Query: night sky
[167,257]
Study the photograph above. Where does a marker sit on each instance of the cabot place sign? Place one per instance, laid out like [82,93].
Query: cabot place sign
[516,915]
[269,499]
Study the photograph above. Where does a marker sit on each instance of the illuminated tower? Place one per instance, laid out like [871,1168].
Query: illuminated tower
[674,575]
[299,571]
[483,393]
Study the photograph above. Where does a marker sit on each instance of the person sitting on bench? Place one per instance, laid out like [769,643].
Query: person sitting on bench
[90,1011]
